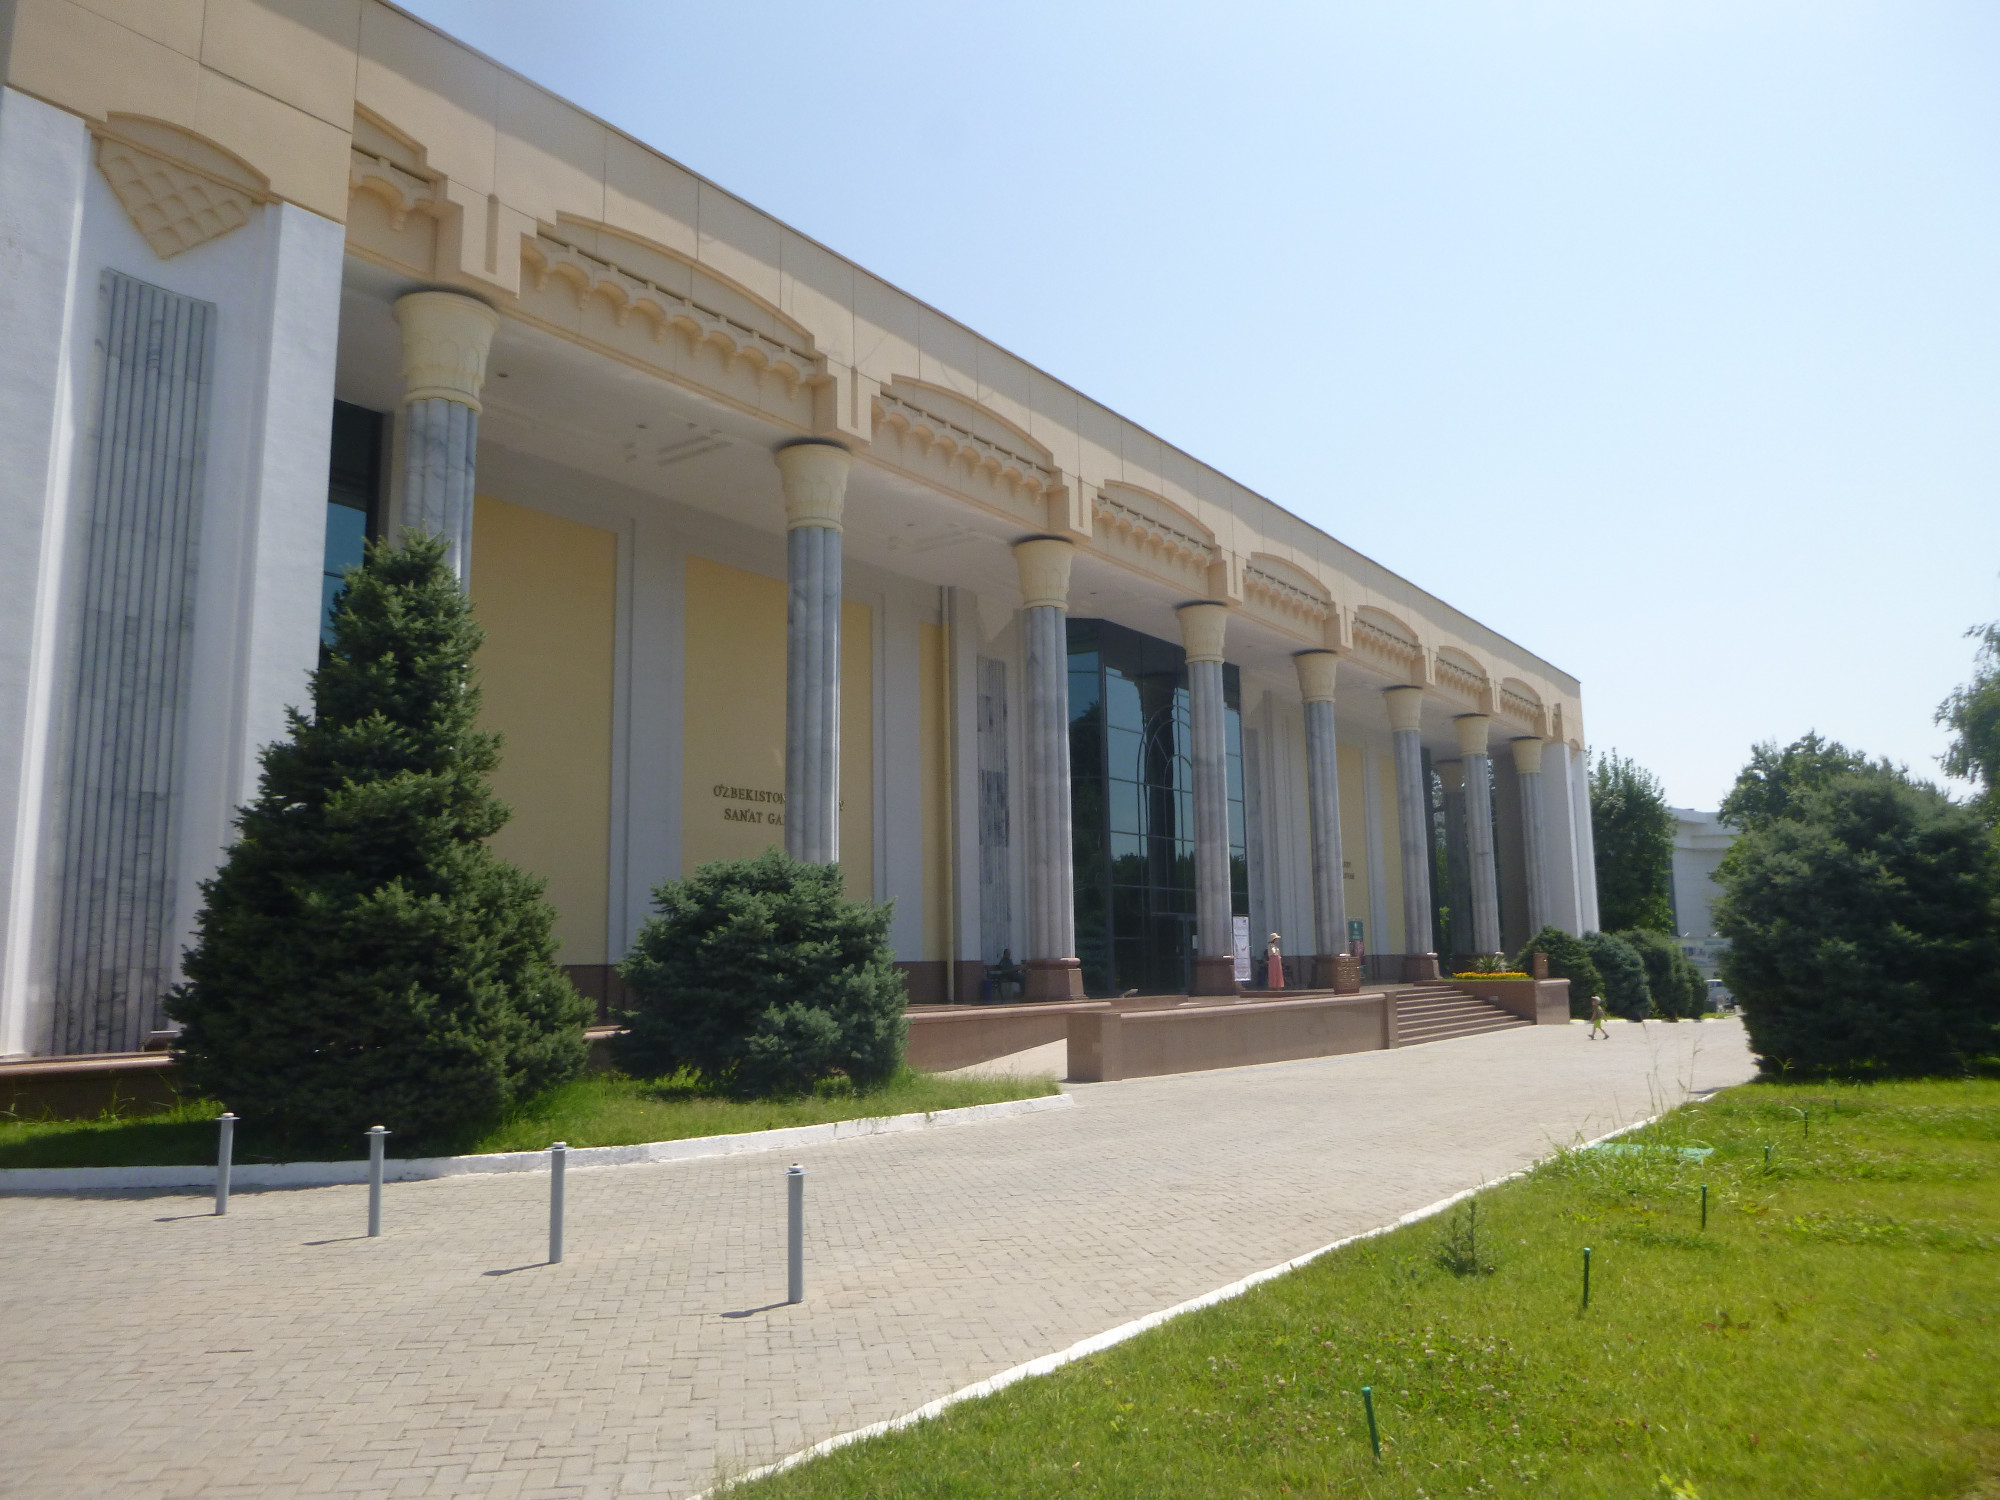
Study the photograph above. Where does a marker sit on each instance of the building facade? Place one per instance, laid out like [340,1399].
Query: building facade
[1700,841]
[765,551]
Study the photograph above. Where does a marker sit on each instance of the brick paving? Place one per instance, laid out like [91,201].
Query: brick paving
[153,1350]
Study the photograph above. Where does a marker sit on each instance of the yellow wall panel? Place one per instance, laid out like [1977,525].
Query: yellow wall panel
[545,589]
[733,718]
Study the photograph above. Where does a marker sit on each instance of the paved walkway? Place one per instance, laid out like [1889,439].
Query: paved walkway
[156,1351]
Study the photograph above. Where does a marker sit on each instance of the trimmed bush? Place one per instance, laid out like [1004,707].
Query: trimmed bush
[1625,990]
[1568,959]
[1862,927]
[1676,985]
[763,978]
[362,957]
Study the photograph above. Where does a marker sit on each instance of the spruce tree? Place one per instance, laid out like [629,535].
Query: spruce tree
[362,957]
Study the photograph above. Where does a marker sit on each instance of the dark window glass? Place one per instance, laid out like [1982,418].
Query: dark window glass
[353,499]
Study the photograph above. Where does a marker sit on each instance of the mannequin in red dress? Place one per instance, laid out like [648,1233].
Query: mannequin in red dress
[1274,964]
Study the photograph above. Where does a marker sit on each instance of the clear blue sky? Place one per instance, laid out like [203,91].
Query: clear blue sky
[1661,335]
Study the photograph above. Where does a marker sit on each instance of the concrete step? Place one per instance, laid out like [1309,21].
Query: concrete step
[1437,1013]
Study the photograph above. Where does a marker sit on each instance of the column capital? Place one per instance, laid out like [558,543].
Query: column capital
[1043,563]
[1451,773]
[1316,674]
[446,338]
[1406,707]
[1472,731]
[1203,625]
[1528,755]
[814,475]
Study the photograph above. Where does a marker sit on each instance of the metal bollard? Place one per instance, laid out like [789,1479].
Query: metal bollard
[225,1149]
[795,1234]
[376,1136]
[558,1159]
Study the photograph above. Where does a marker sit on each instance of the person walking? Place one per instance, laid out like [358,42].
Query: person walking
[1597,1027]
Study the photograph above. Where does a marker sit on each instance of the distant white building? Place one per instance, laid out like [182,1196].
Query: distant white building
[1700,841]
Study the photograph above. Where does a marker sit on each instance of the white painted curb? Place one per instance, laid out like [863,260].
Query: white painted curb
[1101,1341]
[425,1168]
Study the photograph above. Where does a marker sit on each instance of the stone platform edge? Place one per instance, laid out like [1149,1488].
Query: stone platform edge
[428,1168]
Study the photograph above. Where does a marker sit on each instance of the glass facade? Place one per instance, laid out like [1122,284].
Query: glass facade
[353,493]
[1132,808]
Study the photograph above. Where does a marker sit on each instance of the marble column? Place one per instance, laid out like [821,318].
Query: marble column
[1458,865]
[1052,969]
[1413,829]
[1329,888]
[1586,841]
[1559,839]
[1534,837]
[814,476]
[446,338]
[1472,737]
[1202,629]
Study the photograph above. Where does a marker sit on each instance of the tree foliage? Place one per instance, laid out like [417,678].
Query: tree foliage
[1972,713]
[1568,959]
[763,978]
[1626,992]
[1775,782]
[1676,985]
[1633,831]
[362,957]
[1862,926]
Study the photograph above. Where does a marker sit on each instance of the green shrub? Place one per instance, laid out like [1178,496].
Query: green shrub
[1862,928]
[362,957]
[1676,985]
[762,977]
[1625,990]
[1568,959]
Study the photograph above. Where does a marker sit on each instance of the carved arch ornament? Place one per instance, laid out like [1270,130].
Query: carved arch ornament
[179,189]
[1152,535]
[962,446]
[1285,597]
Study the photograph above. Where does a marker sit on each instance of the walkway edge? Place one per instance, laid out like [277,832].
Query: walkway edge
[427,1168]
[1101,1341]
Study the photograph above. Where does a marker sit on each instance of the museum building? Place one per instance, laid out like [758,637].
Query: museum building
[766,551]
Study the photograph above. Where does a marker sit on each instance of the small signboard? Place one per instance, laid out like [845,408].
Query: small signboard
[1242,950]
[1354,936]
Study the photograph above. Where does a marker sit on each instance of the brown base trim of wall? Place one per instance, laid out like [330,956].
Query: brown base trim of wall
[968,982]
[923,980]
[603,987]
[1215,975]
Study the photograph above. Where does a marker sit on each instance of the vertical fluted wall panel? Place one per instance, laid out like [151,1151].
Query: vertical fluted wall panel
[113,951]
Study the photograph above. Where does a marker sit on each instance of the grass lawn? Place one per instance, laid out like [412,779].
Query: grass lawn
[599,1110]
[1832,1332]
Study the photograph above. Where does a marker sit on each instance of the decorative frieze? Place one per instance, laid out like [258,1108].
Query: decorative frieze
[664,310]
[1149,533]
[1281,596]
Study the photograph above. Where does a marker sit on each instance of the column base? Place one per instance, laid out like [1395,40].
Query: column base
[1339,972]
[1053,979]
[1215,976]
[1420,968]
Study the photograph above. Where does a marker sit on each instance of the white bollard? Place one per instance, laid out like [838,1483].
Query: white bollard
[558,1159]
[376,1136]
[225,1149]
[795,1234]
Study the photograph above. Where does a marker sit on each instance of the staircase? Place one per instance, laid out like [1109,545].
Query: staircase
[1437,1013]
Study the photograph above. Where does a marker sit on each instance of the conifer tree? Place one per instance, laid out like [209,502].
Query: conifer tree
[362,957]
